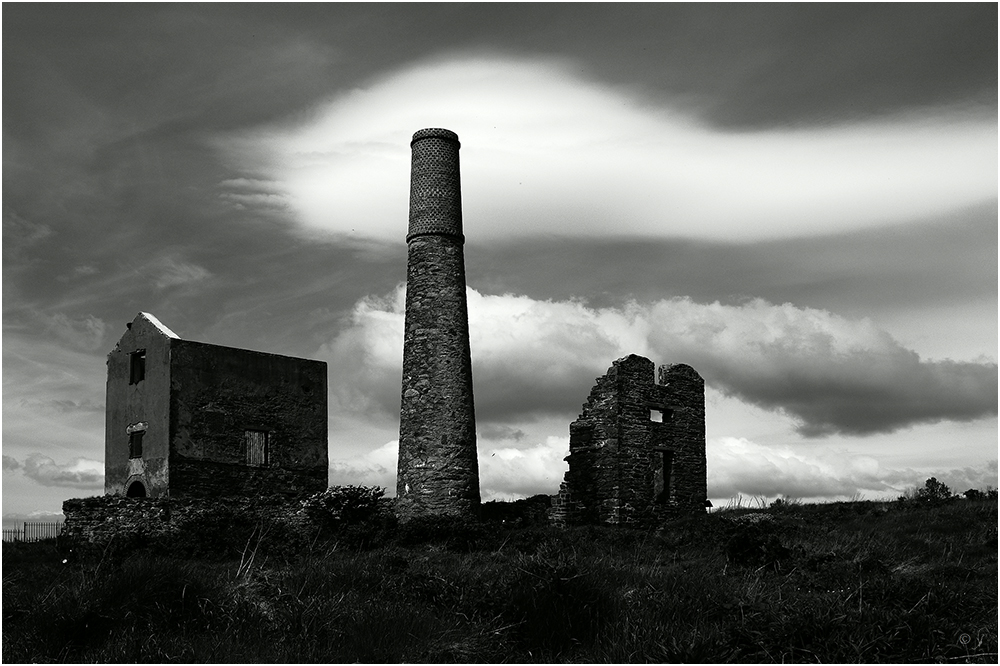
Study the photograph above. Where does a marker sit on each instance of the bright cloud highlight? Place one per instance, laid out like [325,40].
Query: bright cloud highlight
[547,151]
[530,358]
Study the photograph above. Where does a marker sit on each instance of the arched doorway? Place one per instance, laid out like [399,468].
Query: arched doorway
[136,490]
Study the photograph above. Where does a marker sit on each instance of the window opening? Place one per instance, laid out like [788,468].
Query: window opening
[256,442]
[662,482]
[137,366]
[135,443]
[136,489]
[660,415]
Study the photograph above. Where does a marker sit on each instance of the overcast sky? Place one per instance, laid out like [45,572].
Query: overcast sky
[800,201]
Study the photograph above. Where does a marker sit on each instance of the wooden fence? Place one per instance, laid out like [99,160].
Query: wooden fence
[33,532]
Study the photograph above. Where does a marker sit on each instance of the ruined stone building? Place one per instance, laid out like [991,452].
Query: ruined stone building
[438,466]
[190,419]
[637,451]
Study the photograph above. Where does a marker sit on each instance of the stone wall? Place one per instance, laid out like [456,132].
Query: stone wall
[211,420]
[95,521]
[142,406]
[220,393]
[624,466]
[438,468]
[93,524]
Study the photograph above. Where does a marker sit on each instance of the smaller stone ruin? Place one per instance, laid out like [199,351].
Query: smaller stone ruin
[637,451]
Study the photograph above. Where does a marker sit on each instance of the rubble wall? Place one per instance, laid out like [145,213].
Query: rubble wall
[637,451]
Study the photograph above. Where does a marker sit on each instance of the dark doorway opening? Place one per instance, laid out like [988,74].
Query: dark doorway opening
[136,489]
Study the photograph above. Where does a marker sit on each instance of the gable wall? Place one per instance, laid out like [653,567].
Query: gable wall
[130,404]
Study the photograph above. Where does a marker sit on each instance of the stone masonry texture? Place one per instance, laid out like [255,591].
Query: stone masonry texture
[438,468]
[196,402]
[95,523]
[627,467]
[221,393]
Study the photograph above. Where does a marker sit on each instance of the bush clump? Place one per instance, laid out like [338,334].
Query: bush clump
[353,515]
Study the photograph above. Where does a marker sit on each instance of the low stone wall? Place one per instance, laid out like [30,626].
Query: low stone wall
[94,523]
[97,519]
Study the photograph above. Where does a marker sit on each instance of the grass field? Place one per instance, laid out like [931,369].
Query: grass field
[848,582]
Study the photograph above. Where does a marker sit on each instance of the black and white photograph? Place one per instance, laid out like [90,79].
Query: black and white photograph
[500,332]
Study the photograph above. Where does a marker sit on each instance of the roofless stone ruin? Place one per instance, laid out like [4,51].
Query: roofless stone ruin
[192,420]
[637,452]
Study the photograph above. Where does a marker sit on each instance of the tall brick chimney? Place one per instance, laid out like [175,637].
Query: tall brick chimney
[438,468]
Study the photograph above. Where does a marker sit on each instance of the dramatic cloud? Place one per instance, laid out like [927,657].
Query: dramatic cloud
[247,193]
[738,467]
[77,473]
[374,468]
[832,374]
[10,464]
[549,152]
[960,480]
[504,472]
[835,374]
[607,154]
[507,473]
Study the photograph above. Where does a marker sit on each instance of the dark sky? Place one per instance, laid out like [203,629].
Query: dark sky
[153,161]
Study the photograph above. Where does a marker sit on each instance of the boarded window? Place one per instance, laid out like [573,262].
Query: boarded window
[137,366]
[135,444]
[255,442]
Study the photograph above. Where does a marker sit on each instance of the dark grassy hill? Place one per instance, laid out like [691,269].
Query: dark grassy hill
[849,582]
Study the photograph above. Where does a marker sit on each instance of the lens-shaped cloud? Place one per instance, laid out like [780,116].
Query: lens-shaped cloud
[834,375]
[546,151]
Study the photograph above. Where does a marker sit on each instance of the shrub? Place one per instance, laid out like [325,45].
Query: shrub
[933,491]
[988,495]
[974,495]
[345,505]
[357,516]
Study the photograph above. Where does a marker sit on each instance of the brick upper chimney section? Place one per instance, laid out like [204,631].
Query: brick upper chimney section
[435,184]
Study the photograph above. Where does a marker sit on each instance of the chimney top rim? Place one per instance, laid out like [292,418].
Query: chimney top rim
[434,133]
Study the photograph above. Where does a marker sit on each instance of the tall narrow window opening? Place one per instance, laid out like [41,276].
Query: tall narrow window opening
[135,443]
[255,443]
[137,366]
[662,481]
